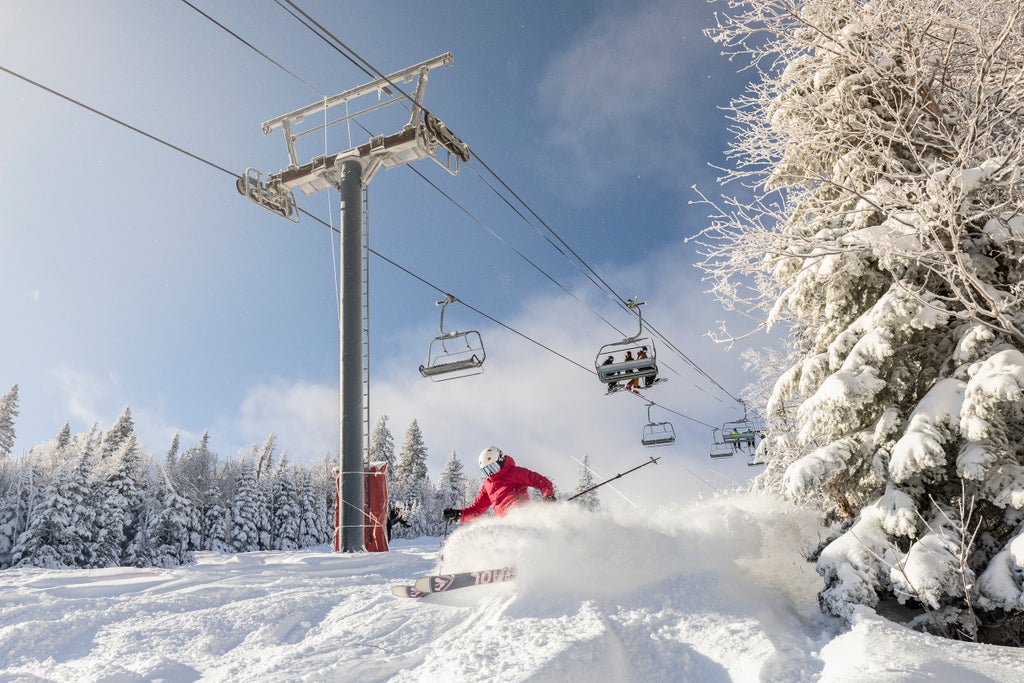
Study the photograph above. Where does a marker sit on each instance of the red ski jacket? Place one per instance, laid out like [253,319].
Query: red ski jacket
[507,488]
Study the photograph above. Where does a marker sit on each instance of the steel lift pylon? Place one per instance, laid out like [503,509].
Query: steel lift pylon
[349,172]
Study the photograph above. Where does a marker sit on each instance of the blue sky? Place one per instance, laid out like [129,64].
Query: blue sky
[131,274]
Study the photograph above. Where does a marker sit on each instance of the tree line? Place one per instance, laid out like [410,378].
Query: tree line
[97,499]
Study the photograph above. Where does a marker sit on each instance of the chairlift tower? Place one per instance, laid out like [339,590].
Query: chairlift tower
[349,172]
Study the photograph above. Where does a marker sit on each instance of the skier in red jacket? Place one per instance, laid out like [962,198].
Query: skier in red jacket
[506,486]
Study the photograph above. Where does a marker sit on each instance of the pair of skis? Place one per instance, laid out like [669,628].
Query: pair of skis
[441,583]
[428,585]
[613,388]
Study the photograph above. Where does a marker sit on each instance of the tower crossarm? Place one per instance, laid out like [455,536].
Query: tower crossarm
[288,121]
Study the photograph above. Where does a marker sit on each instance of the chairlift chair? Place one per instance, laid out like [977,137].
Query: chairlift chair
[739,432]
[657,433]
[720,449]
[453,355]
[610,362]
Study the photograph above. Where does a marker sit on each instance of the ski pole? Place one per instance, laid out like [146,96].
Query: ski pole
[622,474]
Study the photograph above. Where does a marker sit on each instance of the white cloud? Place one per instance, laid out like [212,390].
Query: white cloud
[87,396]
[97,399]
[622,98]
[304,416]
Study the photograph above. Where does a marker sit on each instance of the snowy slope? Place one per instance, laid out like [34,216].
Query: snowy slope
[716,591]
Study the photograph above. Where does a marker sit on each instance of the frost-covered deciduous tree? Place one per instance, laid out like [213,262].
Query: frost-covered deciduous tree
[884,152]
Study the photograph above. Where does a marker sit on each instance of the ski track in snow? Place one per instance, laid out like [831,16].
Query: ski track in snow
[712,592]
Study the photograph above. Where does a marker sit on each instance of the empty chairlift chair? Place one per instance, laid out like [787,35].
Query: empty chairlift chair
[657,433]
[719,448]
[453,355]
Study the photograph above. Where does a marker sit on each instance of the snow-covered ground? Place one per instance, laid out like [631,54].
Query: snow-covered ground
[715,591]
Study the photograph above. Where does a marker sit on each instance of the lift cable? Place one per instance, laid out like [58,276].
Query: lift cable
[118,121]
[316,218]
[414,170]
[355,58]
[257,50]
[313,217]
[367,68]
[674,412]
[509,246]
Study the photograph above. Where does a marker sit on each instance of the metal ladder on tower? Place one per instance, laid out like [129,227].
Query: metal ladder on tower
[366,327]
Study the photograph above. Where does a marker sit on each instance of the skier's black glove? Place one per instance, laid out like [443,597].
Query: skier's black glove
[451,514]
[549,499]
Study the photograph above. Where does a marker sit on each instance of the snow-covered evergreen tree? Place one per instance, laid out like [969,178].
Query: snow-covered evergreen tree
[168,530]
[265,511]
[382,447]
[8,411]
[172,452]
[60,525]
[266,456]
[590,500]
[214,519]
[122,430]
[311,513]
[120,502]
[246,511]
[887,236]
[451,487]
[287,513]
[413,490]
[472,488]
[19,497]
[411,468]
[323,485]
[63,438]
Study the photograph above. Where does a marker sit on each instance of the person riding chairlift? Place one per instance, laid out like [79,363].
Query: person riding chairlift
[612,386]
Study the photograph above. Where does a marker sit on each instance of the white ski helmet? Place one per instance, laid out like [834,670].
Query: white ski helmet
[491,460]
